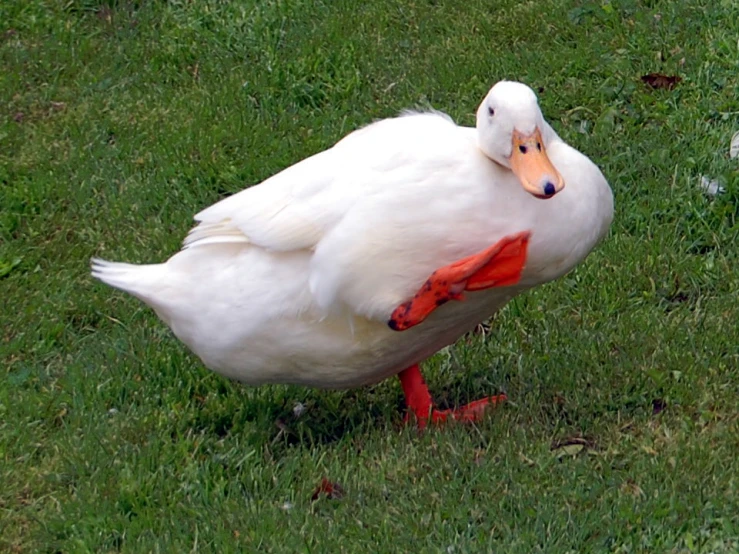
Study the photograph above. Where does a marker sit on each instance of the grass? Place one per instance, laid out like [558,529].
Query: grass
[119,120]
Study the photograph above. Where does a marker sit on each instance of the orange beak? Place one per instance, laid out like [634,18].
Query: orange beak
[530,163]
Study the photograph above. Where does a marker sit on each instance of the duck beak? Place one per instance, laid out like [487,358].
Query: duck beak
[530,163]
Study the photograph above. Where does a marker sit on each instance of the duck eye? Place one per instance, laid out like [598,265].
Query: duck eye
[522,149]
[491,111]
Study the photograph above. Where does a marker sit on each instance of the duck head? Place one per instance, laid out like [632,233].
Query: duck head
[509,132]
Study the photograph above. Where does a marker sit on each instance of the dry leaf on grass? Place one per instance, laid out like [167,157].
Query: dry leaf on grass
[571,446]
[332,490]
[658,404]
[569,450]
[659,81]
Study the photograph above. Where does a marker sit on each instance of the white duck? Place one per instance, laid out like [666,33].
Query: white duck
[309,277]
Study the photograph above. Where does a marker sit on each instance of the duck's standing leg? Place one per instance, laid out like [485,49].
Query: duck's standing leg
[497,266]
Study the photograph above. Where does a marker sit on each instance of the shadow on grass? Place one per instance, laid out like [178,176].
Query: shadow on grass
[290,416]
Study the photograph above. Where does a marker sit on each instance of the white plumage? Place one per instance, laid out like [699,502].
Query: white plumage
[293,280]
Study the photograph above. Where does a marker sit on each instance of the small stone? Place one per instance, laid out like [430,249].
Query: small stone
[299,409]
[711,187]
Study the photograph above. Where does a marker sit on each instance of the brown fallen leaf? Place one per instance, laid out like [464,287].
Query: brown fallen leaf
[568,450]
[334,491]
[660,81]
[658,404]
[570,446]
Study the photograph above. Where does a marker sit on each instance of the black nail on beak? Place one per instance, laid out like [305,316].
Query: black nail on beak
[549,189]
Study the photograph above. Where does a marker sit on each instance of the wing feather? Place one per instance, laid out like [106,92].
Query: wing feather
[289,211]
[295,208]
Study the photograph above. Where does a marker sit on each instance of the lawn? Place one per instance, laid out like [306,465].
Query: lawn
[120,120]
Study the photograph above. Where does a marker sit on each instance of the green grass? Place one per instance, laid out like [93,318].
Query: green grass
[120,120]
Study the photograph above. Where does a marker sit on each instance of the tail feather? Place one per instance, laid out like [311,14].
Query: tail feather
[214,233]
[143,281]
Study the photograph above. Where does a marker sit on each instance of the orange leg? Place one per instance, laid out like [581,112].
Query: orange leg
[419,402]
[497,266]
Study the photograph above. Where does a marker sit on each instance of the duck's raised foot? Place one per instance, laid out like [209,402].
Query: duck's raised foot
[498,266]
[420,406]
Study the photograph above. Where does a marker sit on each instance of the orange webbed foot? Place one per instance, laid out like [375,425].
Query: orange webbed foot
[497,266]
[469,413]
[420,406]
